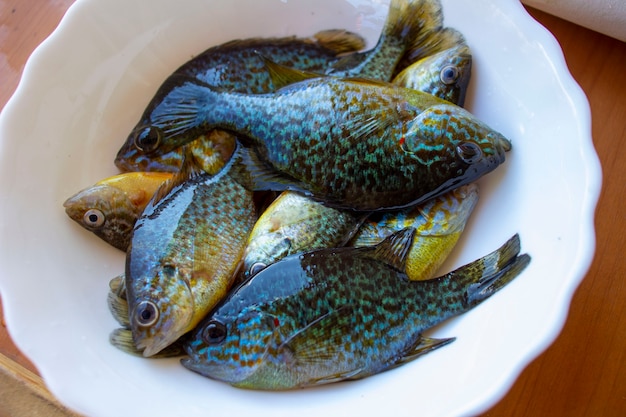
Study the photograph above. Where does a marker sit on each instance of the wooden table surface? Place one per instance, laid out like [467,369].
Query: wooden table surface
[584,372]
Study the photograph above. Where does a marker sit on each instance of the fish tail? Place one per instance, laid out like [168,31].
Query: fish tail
[412,19]
[187,112]
[430,43]
[487,275]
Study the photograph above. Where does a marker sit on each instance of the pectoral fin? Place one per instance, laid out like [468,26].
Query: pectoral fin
[123,340]
[422,346]
[255,175]
[319,341]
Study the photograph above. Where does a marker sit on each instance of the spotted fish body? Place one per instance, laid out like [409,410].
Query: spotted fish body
[236,66]
[240,66]
[438,225]
[111,207]
[445,74]
[293,224]
[184,253]
[332,315]
[351,143]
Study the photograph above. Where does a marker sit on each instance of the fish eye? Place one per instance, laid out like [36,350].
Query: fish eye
[93,218]
[146,314]
[214,333]
[257,267]
[449,74]
[469,152]
[148,139]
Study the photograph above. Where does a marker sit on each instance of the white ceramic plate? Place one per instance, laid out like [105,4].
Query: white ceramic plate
[85,87]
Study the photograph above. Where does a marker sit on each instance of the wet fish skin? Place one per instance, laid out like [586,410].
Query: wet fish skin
[239,65]
[353,144]
[212,149]
[110,208]
[445,74]
[319,317]
[438,225]
[236,66]
[293,224]
[184,253]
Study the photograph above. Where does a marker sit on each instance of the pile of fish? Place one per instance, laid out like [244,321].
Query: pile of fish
[286,203]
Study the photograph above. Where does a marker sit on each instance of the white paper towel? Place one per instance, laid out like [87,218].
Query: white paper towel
[604,16]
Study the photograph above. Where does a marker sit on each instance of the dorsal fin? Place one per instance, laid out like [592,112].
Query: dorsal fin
[189,170]
[283,76]
[394,249]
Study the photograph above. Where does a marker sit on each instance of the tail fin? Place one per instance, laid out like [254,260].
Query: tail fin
[430,43]
[492,272]
[407,20]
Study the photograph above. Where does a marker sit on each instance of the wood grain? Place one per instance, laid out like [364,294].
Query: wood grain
[584,372]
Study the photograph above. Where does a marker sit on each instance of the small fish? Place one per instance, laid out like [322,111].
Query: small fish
[438,225]
[338,314]
[445,74]
[355,144]
[185,251]
[293,224]
[237,66]
[111,207]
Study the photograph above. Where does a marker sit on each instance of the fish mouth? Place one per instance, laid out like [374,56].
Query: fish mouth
[505,144]
[217,373]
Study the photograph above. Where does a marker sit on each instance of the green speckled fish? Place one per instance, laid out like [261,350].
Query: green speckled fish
[111,207]
[445,74]
[293,224]
[350,143]
[185,251]
[338,314]
[238,66]
[438,225]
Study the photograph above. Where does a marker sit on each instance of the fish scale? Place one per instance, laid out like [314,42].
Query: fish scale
[399,149]
[184,253]
[337,314]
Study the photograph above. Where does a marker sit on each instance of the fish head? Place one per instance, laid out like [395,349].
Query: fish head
[445,74]
[168,122]
[106,211]
[160,305]
[230,347]
[211,151]
[455,146]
